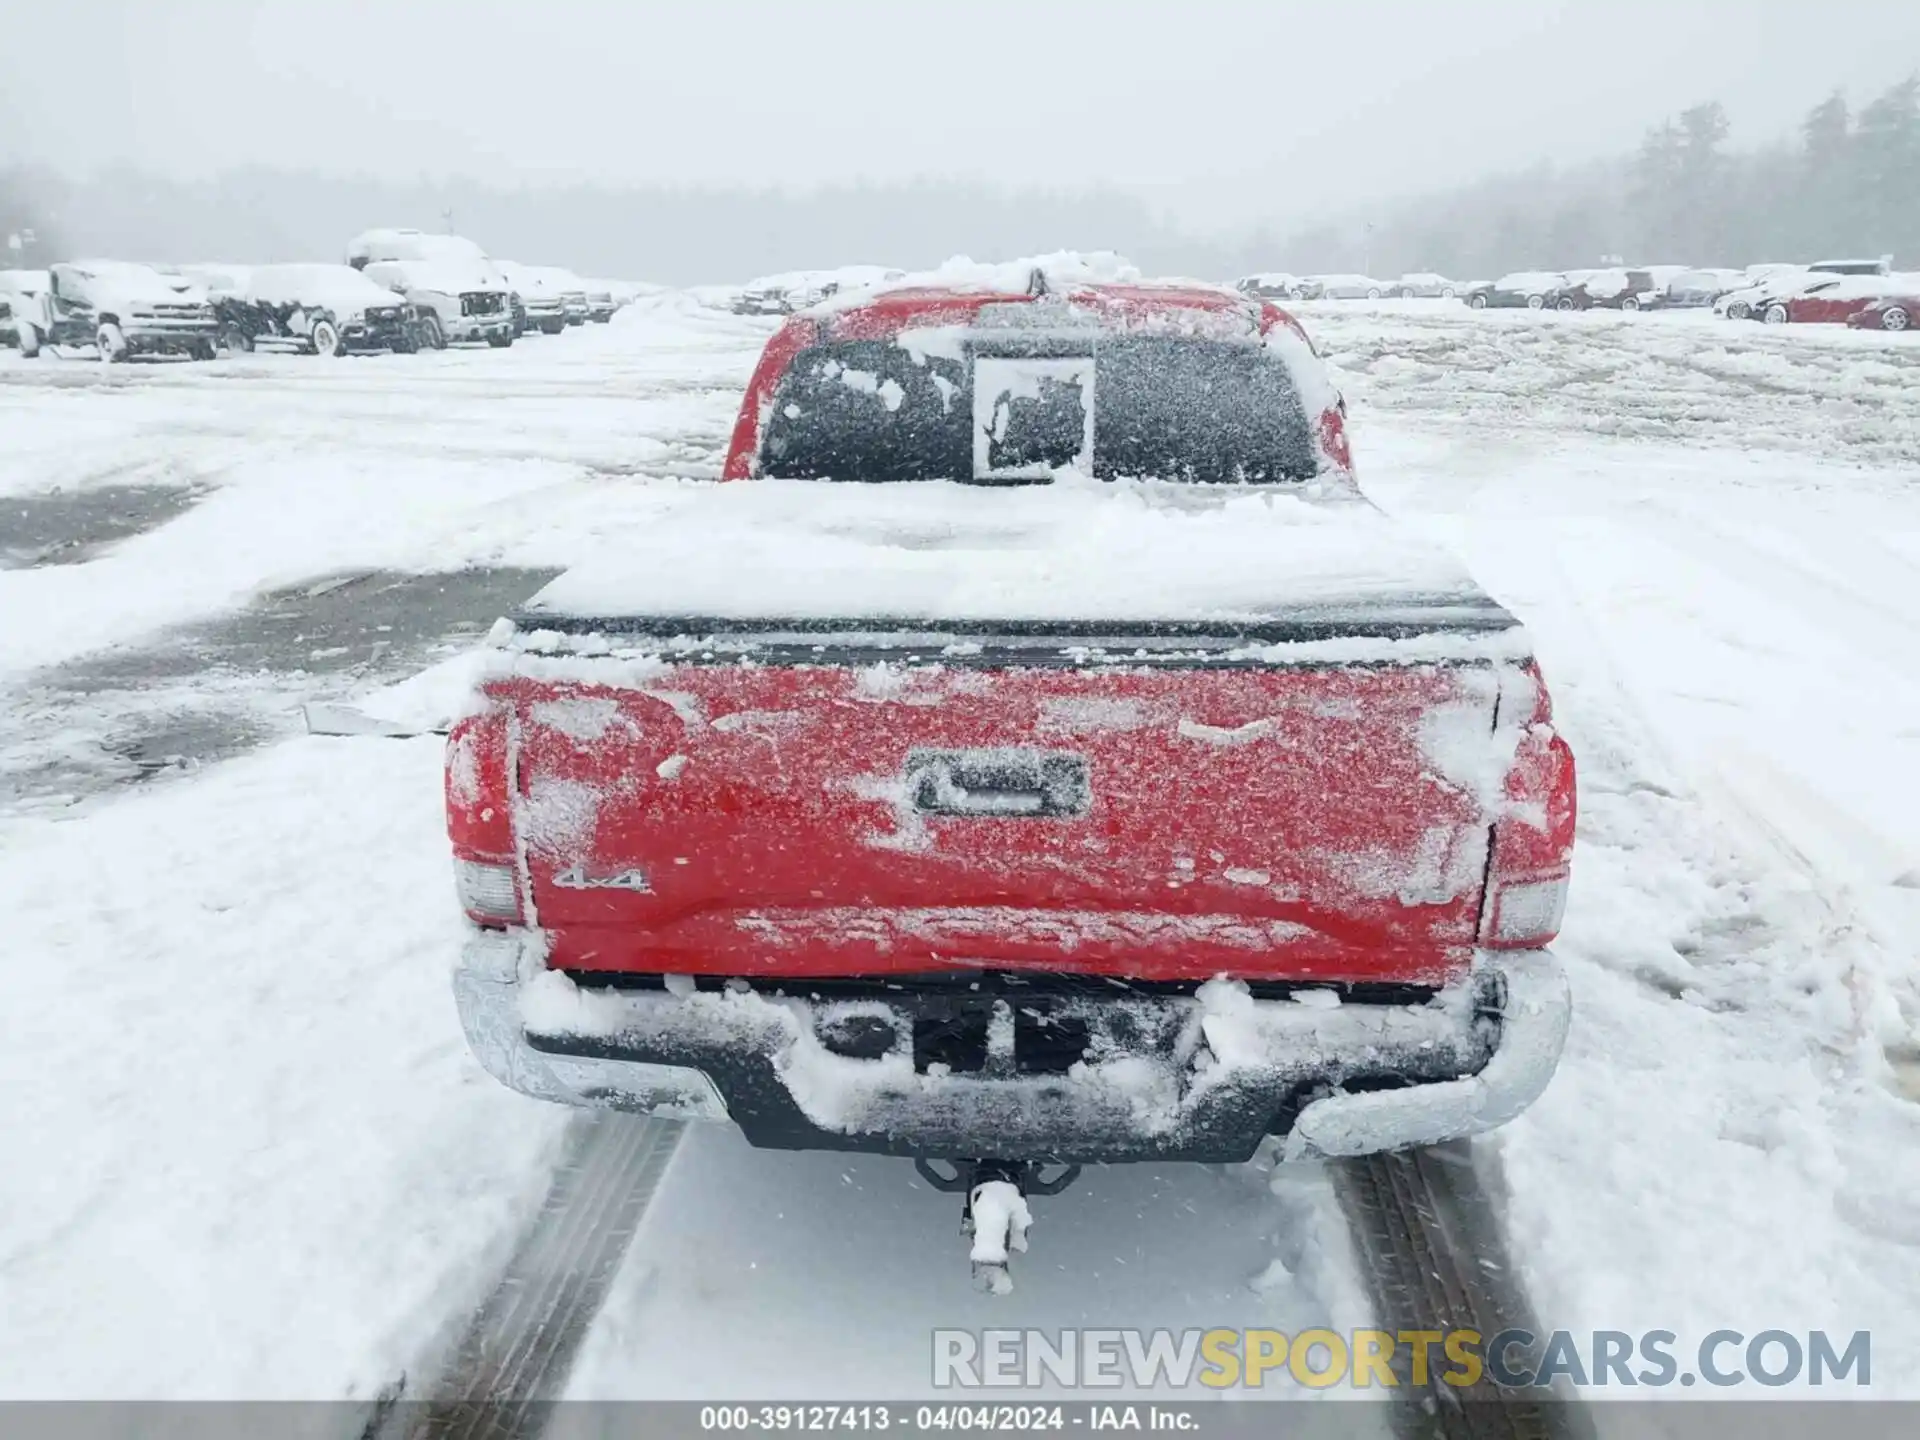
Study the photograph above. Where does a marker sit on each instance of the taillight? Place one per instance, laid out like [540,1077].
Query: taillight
[1533,837]
[1524,915]
[1333,437]
[488,893]
[480,819]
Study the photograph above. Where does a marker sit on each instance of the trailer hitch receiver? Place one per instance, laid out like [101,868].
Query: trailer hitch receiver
[995,1213]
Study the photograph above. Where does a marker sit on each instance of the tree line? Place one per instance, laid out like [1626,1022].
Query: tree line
[1846,183]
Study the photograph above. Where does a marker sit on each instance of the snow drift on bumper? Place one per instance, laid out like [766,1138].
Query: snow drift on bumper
[1196,1074]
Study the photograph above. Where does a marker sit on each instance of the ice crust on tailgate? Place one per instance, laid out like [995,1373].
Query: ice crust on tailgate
[1073,550]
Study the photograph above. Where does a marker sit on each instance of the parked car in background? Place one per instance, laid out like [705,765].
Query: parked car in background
[1523,289]
[1346,287]
[600,301]
[1750,302]
[1829,299]
[1607,290]
[465,302]
[1697,289]
[1271,285]
[1663,278]
[761,299]
[542,306]
[23,298]
[318,309]
[573,293]
[1882,266]
[121,310]
[1761,273]
[798,289]
[1421,285]
[1897,308]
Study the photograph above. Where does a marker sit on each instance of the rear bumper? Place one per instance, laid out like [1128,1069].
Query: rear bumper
[1099,1075]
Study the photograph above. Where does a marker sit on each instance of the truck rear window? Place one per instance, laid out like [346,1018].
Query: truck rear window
[1146,407]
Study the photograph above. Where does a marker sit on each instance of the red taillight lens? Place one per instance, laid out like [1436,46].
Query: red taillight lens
[480,819]
[1333,438]
[1533,838]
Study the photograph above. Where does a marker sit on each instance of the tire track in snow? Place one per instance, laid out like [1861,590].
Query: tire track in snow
[509,1365]
[1431,1249]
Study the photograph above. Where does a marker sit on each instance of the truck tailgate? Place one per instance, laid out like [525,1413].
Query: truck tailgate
[741,816]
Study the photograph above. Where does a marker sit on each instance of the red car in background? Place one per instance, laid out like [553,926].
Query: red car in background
[1833,301]
[1892,310]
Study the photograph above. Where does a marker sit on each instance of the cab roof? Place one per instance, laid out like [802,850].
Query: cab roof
[885,314]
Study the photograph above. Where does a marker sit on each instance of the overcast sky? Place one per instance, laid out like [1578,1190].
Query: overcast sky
[1224,112]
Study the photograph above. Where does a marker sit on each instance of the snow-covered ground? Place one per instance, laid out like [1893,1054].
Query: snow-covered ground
[249,1155]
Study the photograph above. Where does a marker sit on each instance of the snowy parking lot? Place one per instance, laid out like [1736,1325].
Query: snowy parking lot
[251,1155]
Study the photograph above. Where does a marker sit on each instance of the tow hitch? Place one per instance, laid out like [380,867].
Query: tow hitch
[995,1212]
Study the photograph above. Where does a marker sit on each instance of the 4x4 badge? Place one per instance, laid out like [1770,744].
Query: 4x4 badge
[575,877]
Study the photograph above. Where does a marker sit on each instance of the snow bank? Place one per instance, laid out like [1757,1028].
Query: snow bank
[267,1166]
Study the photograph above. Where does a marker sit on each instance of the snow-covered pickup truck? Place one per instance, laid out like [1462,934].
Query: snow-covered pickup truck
[1043,754]
[456,301]
[121,310]
[314,309]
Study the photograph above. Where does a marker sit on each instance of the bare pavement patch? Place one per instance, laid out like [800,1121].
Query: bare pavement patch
[203,692]
[69,527]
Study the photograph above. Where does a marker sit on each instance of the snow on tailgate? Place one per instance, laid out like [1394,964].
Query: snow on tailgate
[1072,550]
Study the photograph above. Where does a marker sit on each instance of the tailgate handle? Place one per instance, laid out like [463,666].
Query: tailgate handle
[1008,784]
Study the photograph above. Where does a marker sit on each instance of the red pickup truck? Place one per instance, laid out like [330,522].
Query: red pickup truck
[1043,754]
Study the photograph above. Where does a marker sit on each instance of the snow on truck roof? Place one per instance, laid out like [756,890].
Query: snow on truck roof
[391,244]
[1074,548]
